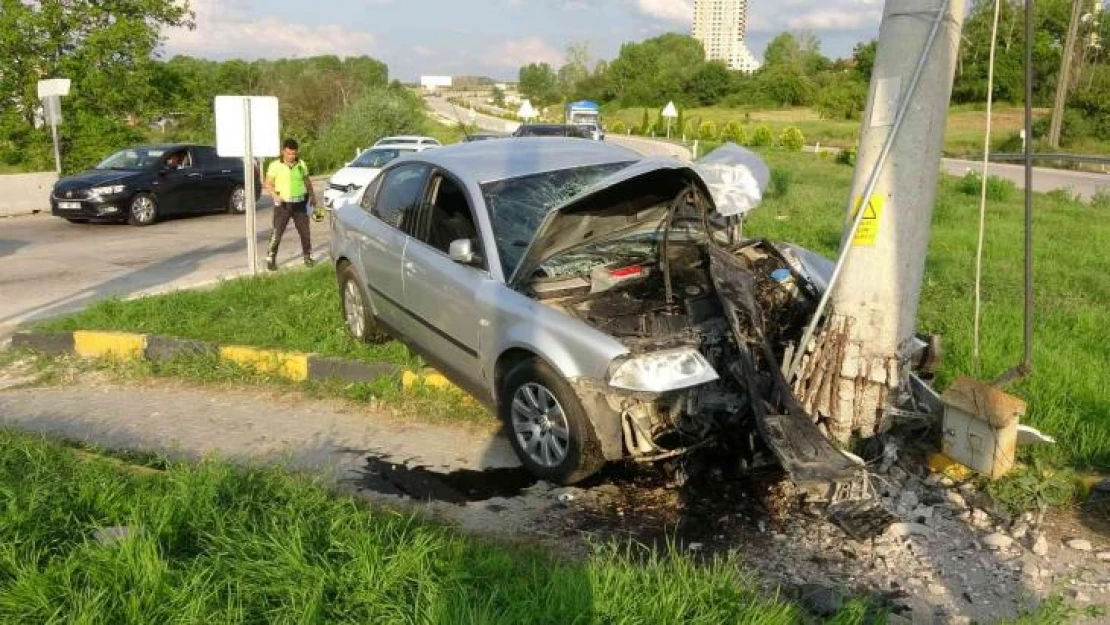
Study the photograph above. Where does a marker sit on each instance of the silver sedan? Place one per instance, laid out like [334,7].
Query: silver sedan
[598,301]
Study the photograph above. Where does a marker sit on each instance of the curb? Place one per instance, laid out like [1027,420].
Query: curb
[294,366]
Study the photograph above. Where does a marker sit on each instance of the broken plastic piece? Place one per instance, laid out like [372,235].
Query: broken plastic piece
[1028,435]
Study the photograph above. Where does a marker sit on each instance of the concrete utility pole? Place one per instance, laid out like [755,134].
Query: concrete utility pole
[851,369]
[1061,101]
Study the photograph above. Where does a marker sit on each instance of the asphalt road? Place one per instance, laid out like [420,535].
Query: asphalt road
[52,267]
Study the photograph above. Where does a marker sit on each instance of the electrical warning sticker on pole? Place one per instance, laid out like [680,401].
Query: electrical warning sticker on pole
[869,225]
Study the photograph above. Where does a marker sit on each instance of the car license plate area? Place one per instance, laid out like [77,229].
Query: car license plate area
[69,206]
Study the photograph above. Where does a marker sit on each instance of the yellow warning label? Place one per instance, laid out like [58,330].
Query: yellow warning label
[869,225]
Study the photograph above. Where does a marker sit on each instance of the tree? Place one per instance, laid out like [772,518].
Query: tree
[711,83]
[539,83]
[576,69]
[863,57]
[655,71]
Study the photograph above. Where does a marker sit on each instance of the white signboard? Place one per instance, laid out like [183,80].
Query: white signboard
[231,125]
[670,110]
[526,111]
[53,87]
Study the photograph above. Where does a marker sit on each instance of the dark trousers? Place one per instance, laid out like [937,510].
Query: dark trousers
[282,214]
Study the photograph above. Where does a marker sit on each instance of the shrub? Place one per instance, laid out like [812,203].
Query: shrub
[763,137]
[707,131]
[998,189]
[377,113]
[690,129]
[847,156]
[618,128]
[734,132]
[779,184]
[792,139]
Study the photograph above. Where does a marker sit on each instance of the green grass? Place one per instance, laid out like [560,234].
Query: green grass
[1066,393]
[294,310]
[216,544]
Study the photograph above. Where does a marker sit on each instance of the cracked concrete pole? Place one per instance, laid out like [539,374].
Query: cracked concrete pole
[852,368]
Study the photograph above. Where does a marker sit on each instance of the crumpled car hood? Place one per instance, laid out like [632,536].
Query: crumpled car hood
[637,198]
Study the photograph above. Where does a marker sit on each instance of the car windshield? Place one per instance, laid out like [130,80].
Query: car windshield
[517,206]
[133,158]
[546,131]
[378,158]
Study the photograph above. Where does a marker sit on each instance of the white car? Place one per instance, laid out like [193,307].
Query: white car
[362,171]
[405,139]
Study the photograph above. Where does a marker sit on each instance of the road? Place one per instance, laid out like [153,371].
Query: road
[1045,179]
[52,267]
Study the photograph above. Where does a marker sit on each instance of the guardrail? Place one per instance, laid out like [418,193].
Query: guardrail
[1066,158]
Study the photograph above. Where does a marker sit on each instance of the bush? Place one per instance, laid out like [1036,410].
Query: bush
[377,113]
[779,184]
[618,128]
[998,189]
[847,156]
[734,132]
[690,129]
[792,139]
[763,137]
[707,131]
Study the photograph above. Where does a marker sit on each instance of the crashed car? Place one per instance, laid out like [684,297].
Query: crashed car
[602,303]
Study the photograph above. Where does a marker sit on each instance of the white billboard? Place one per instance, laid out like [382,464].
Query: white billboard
[431,83]
[231,125]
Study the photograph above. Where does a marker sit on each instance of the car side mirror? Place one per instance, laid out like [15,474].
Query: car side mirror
[462,251]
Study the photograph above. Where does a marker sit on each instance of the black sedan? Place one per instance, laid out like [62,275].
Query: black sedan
[145,183]
[552,130]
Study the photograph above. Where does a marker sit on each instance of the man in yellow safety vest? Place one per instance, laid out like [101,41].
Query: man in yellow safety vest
[287,182]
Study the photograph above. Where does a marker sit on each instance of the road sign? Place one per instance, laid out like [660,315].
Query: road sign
[53,87]
[526,111]
[248,126]
[265,135]
[52,110]
[670,110]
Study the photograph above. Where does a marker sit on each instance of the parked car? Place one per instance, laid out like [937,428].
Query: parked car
[552,130]
[359,172]
[483,136]
[406,139]
[596,132]
[143,184]
[591,297]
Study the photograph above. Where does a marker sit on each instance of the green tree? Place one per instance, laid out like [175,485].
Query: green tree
[655,71]
[863,58]
[711,83]
[540,84]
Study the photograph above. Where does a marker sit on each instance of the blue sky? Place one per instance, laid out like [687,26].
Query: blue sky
[486,37]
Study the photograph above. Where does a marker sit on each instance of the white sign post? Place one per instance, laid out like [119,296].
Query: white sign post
[51,92]
[248,126]
[670,112]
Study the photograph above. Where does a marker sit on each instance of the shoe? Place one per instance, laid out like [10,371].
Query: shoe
[271,263]
[308,262]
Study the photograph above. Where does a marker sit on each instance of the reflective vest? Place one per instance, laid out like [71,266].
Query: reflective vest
[290,182]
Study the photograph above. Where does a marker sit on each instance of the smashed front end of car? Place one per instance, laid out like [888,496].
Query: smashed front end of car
[652,258]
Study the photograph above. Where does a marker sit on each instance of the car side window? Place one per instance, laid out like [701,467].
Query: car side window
[399,195]
[370,194]
[447,216]
[205,157]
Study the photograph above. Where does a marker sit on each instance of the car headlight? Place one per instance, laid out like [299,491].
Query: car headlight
[352,187]
[667,370]
[109,190]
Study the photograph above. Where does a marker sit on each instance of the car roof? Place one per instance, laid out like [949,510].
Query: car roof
[165,146]
[409,139]
[488,161]
[400,146]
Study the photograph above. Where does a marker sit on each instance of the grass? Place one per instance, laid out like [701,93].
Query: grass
[964,137]
[294,310]
[211,543]
[1066,393]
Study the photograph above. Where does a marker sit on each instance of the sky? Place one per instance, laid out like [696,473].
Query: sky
[486,37]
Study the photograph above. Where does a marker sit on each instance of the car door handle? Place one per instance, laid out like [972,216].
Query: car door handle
[225,171]
[195,175]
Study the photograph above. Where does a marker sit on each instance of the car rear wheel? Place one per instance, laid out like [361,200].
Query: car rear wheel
[548,427]
[237,201]
[356,308]
[143,210]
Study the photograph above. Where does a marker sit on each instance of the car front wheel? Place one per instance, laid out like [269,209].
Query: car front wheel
[143,210]
[237,201]
[548,427]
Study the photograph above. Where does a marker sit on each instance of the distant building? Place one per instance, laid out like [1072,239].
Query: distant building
[721,26]
[433,83]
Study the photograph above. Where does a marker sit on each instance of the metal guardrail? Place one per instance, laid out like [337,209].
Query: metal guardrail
[1068,158]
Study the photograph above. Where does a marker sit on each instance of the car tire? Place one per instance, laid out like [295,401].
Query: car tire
[547,425]
[360,321]
[237,200]
[142,210]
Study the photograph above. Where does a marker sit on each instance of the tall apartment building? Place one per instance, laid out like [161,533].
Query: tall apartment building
[720,26]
